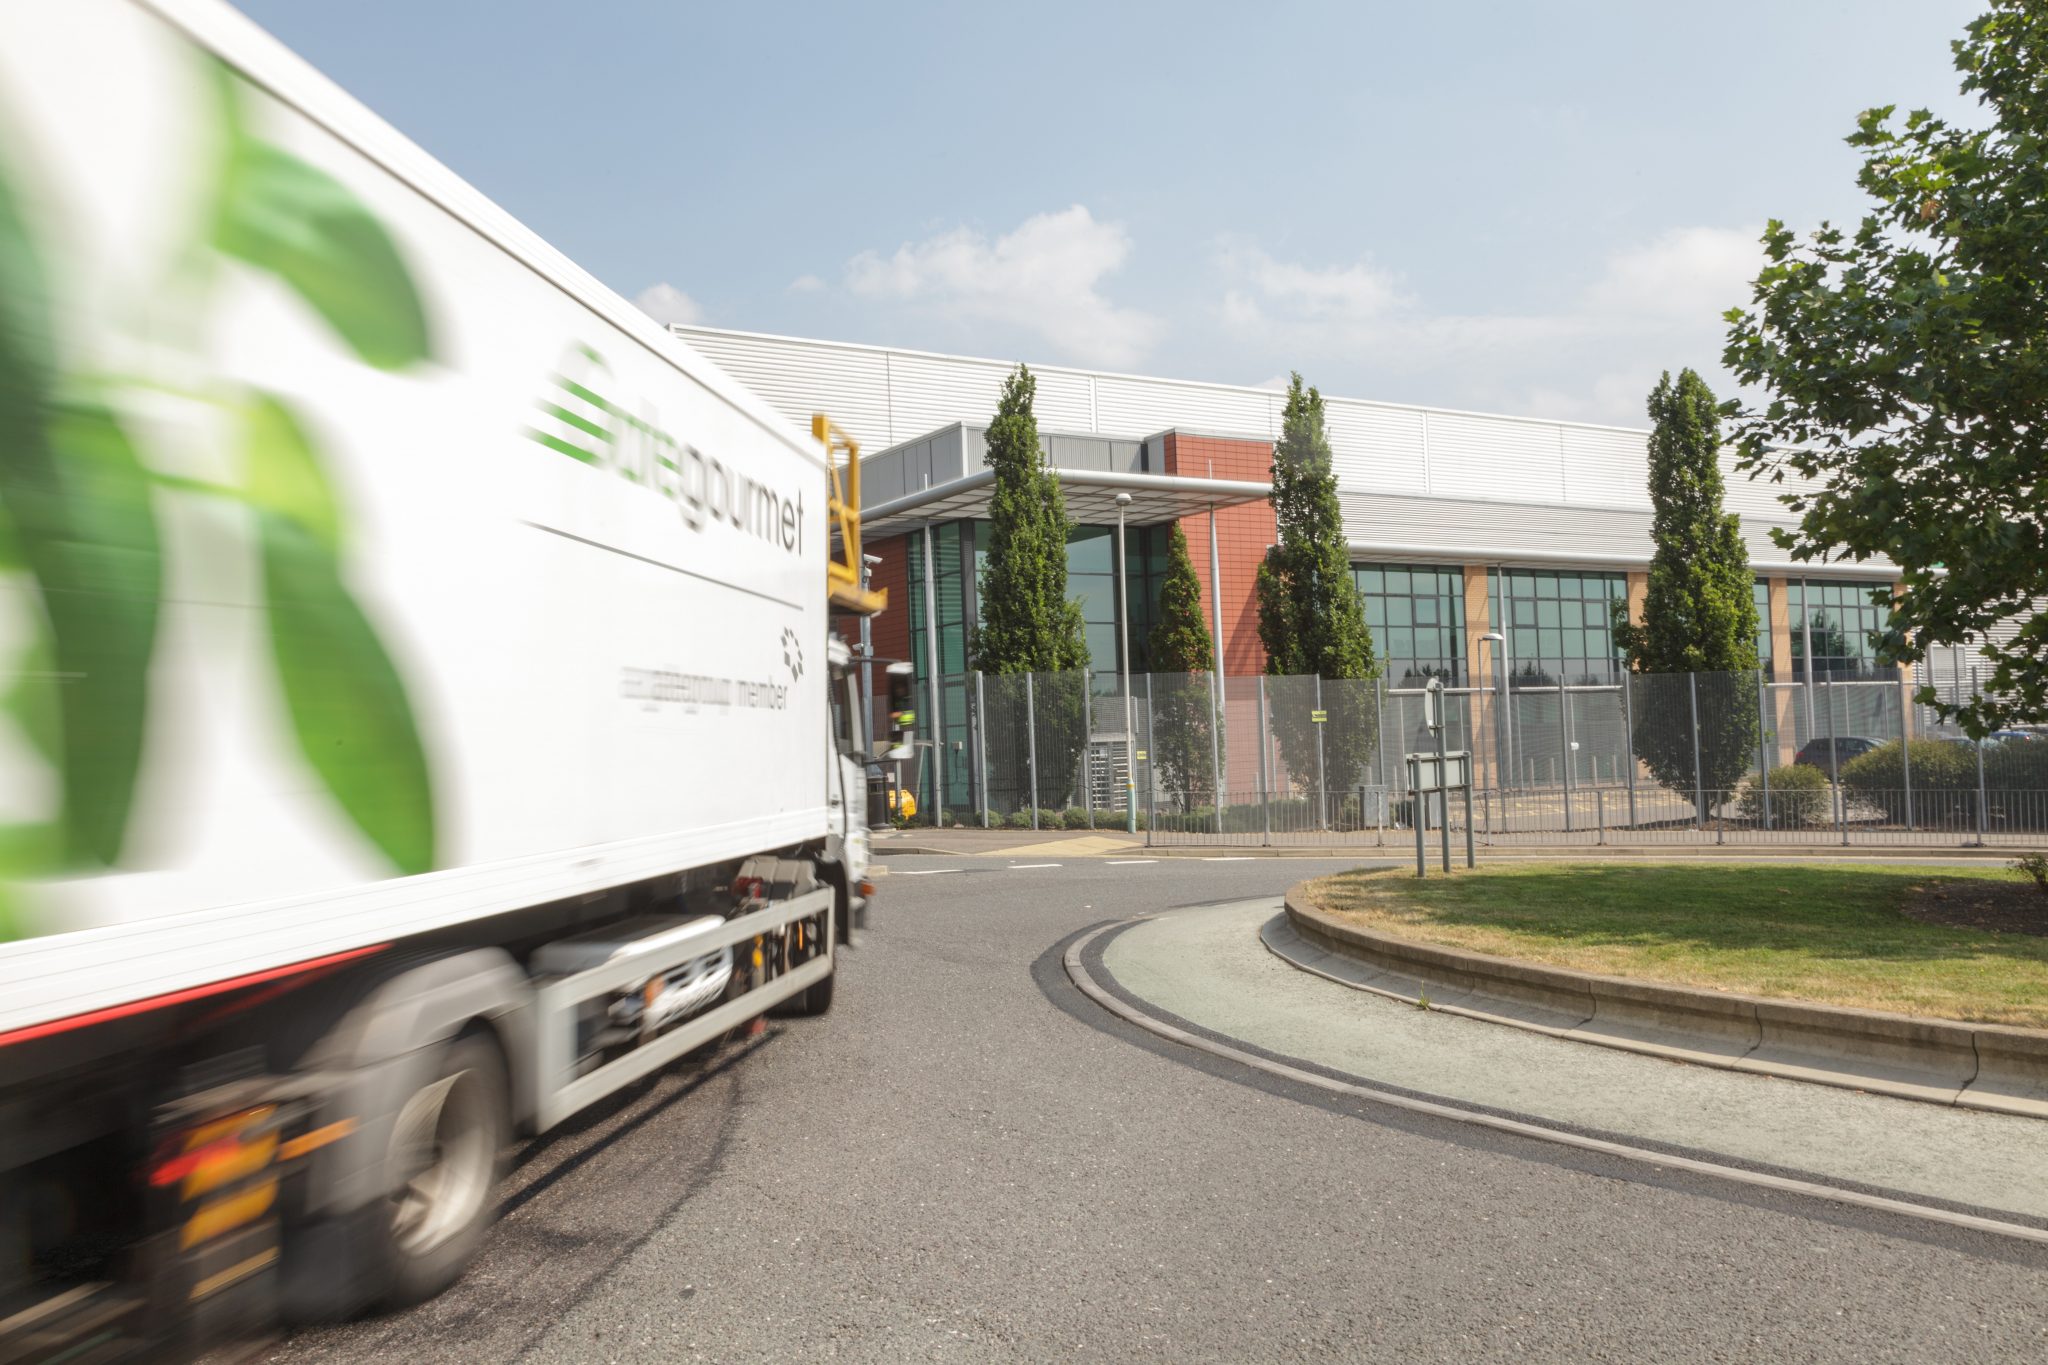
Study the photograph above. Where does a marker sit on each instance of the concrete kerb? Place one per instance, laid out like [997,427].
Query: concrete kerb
[1976,1066]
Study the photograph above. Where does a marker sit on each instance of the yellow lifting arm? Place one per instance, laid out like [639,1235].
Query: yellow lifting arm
[842,571]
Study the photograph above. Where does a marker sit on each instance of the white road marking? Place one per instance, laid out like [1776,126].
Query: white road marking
[1131,862]
[928,871]
[1025,867]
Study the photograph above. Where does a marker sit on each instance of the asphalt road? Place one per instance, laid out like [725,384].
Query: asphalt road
[968,1160]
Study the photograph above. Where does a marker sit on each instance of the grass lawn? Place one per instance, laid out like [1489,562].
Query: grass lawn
[1839,935]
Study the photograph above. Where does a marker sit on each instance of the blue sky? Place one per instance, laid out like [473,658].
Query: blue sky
[1489,204]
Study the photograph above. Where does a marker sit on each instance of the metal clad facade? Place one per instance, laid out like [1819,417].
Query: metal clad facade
[1500,527]
[1487,457]
[1373,445]
[1413,476]
[798,378]
[1604,467]
[1139,407]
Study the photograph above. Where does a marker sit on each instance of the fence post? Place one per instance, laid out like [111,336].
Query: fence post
[1628,726]
[1265,783]
[1763,751]
[1031,734]
[1151,748]
[1600,815]
[1699,782]
[1906,758]
[981,743]
[1564,749]
[1088,743]
[1322,790]
[1983,806]
[1835,768]
[1379,749]
[1216,743]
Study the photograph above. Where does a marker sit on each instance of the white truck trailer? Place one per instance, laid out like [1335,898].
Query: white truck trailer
[422,716]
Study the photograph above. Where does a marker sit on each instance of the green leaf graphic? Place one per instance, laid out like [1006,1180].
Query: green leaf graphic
[90,533]
[282,473]
[78,505]
[299,223]
[348,705]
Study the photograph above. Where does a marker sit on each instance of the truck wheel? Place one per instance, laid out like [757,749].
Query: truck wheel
[445,1150]
[817,997]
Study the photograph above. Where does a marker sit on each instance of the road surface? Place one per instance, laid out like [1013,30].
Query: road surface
[969,1160]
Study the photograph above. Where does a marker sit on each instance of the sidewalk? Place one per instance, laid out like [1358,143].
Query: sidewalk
[1207,966]
[972,842]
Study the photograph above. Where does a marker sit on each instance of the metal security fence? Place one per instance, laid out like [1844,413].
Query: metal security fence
[1664,758]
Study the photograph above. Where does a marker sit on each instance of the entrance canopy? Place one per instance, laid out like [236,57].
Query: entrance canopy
[1090,497]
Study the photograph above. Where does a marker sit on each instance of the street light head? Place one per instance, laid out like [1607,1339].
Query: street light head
[1123,500]
[1494,636]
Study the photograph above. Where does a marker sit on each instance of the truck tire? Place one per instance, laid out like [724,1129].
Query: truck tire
[446,1150]
[815,998]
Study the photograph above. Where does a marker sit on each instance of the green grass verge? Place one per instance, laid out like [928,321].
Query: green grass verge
[1836,934]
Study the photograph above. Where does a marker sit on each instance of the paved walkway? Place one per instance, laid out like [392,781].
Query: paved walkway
[1208,967]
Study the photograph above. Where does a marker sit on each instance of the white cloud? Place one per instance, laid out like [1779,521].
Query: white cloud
[1042,278]
[1688,273]
[1651,306]
[1348,293]
[665,304]
[805,284]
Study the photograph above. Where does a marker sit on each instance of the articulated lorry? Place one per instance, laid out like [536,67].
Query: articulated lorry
[422,716]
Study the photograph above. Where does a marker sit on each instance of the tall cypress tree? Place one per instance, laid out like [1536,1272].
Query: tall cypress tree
[1700,612]
[1311,617]
[1182,723]
[1028,624]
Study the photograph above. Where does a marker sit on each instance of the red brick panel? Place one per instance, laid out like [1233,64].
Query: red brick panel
[891,630]
[1242,535]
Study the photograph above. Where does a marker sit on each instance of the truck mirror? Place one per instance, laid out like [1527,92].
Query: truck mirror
[902,709]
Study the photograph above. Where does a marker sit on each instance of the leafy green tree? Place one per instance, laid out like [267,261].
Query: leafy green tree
[1183,726]
[1028,623]
[1699,615]
[1906,368]
[1311,618]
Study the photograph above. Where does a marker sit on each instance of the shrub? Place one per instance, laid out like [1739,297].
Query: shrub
[1799,798]
[2034,865]
[1017,819]
[1075,818]
[1944,779]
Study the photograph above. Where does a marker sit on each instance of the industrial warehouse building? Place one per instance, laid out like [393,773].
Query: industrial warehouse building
[1486,547]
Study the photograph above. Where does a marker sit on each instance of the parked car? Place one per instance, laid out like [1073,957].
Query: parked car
[1814,753]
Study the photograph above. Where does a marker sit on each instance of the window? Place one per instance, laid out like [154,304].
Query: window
[1838,619]
[1559,625]
[1417,616]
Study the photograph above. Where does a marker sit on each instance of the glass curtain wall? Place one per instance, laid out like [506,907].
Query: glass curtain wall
[1837,619]
[1559,625]
[952,587]
[1763,630]
[959,553]
[1417,616]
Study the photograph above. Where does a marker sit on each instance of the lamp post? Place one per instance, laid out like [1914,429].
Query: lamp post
[1123,624]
